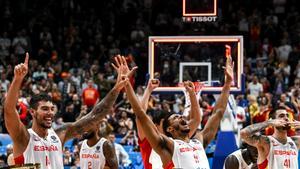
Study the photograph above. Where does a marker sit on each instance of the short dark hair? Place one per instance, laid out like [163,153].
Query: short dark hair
[166,124]
[157,115]
[272,114]
[35,99]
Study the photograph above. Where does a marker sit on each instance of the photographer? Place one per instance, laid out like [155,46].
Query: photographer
[130,138]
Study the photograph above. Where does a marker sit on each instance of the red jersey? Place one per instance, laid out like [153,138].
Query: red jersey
[90,96]
[145,149]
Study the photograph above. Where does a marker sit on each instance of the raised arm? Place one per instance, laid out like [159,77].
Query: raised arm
[159,142]
[15,127]
[212,125]
[110,155]
[195,112]
[152,84]
[249,134]
[93,118]
[261,142]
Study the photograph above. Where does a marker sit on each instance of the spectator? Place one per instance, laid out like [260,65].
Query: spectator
[20,43]
[122,155]
[255,88]
[90,95]
[124,123]
[130,138]
[253,106]
[4,82]
[5,44]
[39,73]
[23,112]
[69,115]
[139,92]
[58,122]
[68,158]
[103,84]
[284,50]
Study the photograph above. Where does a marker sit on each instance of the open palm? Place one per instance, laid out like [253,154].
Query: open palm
[229,70]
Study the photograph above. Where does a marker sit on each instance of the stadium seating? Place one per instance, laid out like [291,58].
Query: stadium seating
[5,139]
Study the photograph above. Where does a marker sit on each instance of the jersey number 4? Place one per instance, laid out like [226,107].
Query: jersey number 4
[287,163]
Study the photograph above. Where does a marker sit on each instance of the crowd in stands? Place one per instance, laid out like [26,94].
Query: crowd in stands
[72,43]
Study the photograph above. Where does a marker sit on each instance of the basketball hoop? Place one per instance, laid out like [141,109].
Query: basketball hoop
[198,86]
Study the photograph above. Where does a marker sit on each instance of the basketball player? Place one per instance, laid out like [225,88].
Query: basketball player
[150,158]
[277,151]
[41,144]
[96,151]
[178,150]
[245,158]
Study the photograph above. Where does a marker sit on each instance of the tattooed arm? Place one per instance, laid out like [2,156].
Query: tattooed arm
[261,142]
[110,155]
[249,135]
[92,119]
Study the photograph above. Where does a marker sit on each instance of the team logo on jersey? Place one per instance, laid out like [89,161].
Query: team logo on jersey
[97,149]
[54,139]
[292,146]
[194,140]
[35,138]
[274,143]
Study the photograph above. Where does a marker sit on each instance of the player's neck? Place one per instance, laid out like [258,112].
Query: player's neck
[182,137]
[246,156]
[280,136]
[40,131]
[92,141]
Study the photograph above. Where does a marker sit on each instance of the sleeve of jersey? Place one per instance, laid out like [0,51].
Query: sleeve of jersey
[19,160]
[145,149]
[263,165]
[170,165]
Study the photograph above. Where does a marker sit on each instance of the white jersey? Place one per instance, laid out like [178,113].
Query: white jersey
[92,157]
[281,156]
[242,162]
[189,155]
[45,151]
[155,160]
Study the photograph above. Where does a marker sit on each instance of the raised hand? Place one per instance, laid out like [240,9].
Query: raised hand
[122,68]
[123,71]
[152,84]
[229,70]
[278,123]
[189,86]
[295,124]
[21,69]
